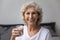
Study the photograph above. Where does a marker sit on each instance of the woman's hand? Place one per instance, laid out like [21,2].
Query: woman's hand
[16,32]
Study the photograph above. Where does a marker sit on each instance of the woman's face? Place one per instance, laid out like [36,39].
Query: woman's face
[31,16]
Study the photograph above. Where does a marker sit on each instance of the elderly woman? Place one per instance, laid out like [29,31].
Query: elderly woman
[32,15]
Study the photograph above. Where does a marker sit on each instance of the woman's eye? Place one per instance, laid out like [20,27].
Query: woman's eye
[27,13]
[33,13]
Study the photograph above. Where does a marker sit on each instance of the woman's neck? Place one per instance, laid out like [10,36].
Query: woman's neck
[33,27]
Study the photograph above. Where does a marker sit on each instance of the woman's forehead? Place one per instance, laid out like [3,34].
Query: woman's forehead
[31,9]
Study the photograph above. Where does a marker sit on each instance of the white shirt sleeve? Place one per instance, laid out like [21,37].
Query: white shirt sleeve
[48,36]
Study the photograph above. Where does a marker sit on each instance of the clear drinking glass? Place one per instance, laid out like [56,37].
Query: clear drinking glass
[20,28]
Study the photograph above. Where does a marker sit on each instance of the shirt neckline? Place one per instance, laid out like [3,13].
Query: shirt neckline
[33,35]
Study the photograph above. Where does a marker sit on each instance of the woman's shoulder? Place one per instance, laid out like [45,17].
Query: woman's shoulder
[44,30]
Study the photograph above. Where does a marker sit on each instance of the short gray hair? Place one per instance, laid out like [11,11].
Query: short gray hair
[31,4]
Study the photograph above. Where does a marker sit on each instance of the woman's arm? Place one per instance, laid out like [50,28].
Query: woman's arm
[15,33]
[49,36]
[12,38]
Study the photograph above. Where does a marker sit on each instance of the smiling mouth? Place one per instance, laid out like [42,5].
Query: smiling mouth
[31,21]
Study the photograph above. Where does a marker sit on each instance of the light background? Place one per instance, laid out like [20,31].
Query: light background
[10,11]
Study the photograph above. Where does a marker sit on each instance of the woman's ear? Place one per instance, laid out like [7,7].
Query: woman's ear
[40,18]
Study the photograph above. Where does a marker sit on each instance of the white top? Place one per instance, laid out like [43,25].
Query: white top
[43,34]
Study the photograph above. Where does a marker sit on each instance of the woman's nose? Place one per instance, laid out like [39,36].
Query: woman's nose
[31,16]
